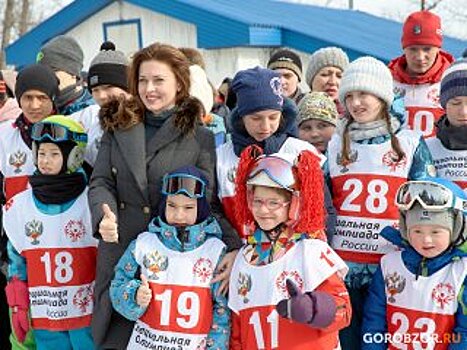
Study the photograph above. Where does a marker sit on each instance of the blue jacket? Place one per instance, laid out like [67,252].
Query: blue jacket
[83,101]
[374,313]
[125,283]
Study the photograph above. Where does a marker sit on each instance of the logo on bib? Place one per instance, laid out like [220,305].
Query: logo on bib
[244,286]
[443,294]
[17,160]
[339,161]
[82,299]
[155,262]
[294,276]
[231,174]
[395,284]
[203,269]
[33,230]
[75,230]
[390,159]
[399,91]
[433,96]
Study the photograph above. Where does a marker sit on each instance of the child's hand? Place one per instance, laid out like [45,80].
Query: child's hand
[224,269]
[144,293]
[108,227]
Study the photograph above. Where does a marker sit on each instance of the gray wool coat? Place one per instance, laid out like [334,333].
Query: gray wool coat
[128,178]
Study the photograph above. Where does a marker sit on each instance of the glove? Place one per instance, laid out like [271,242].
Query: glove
[317,309]
[17,296]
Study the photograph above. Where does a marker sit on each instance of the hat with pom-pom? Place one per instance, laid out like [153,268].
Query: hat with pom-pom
[109,67]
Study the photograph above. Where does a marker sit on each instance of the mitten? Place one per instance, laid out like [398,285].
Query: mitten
[317,309]
[18,299]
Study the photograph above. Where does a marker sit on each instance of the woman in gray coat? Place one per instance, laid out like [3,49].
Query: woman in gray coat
[147,136]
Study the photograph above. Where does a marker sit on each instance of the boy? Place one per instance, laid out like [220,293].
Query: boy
[163,280]
[286,287]
[52,253]
[417,296]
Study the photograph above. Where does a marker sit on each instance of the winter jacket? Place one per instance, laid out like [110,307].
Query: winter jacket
[126,281]
[127,176]
[375,319]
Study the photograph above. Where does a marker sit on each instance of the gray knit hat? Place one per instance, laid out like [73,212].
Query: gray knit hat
[370,75]
[454,82]
[109,67]
[326,57]
[317,105]
[62,53]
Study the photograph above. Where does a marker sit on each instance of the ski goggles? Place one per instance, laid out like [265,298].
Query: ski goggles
[186,184]
[278,170]
[430,195]
[55,132]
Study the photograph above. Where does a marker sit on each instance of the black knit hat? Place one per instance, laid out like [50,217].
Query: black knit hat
[286,59]
[37,77]
[109,67]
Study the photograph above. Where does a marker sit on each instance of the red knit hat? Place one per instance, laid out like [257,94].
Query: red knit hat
[422,28]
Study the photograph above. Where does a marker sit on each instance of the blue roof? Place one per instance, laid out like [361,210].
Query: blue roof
[227,23]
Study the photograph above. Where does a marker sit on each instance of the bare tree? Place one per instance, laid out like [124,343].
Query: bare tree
[8,24]
[23,24]
[429,7]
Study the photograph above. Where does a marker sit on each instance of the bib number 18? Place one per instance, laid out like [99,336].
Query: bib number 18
[59,266]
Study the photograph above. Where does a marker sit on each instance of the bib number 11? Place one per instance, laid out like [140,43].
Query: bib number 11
[273,322]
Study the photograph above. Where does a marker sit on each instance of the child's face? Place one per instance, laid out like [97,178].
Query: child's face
[270,206]
[181,210]
[317,132]
[363,106]
[261,125]
[456,110]
[49,159]
[429,240]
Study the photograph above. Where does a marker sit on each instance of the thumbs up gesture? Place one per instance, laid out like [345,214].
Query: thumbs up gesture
[108,227]
[144,293]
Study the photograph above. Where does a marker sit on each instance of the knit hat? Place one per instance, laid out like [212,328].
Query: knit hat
[422,28]
[317,105]
[420,216]
[201,88]
[454,82]
[62,53]
[37,77]
[257,89]
[370,75]
[109,67]
[286,59]
[202,202]
[326,57]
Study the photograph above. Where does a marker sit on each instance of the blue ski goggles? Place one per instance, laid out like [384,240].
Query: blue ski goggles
[55,132]
[186,184]
[430,195]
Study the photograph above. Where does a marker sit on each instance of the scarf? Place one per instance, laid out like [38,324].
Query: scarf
[68,95]
[452,137]
[153,122]
[57,189]
[361,132]
[241,139]
[24,126]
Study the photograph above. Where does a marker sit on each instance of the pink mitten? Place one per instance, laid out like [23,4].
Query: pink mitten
[17,296]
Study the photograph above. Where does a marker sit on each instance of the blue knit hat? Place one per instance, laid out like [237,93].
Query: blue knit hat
[203,205]
[257,89]
[454,82]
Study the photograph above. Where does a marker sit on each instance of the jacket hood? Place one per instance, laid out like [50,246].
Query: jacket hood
[398,68]
[415,262]
[195,234]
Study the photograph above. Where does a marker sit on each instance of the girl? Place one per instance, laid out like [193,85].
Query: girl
[369,157]
[173,297]
[449,147]
[286,288]
[51,248]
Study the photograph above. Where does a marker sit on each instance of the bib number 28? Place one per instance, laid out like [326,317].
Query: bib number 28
[372,196]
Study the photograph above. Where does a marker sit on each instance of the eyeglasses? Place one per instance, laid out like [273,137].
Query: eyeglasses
[430,195]
[270,204]
[189,185]
[55,132]
[278,170]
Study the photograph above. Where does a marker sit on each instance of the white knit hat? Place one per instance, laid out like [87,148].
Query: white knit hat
[370,75]
[200,87]
[326,57]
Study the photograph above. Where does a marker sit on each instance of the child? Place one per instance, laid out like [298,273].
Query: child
[317,119]
[286,288]
[417,296]
[449,148]
[163,280]
[369,157]
[51,249]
